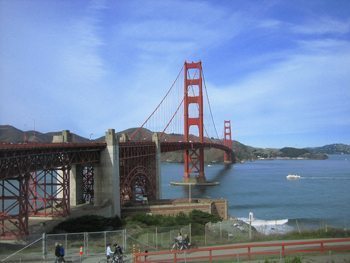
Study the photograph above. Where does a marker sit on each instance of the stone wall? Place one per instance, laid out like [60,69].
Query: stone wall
[174,207]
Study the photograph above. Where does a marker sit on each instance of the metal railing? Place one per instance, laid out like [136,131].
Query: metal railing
[245,251]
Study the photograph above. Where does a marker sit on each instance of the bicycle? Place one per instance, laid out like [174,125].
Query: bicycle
[115,259]
[118,259]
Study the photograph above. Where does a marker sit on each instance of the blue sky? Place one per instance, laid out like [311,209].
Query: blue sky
[279,70]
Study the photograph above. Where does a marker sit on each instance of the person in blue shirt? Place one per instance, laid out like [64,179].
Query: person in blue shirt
[61,252]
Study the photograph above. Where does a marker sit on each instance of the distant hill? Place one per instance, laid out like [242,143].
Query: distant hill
[242,152]
[9,133]
[337,148]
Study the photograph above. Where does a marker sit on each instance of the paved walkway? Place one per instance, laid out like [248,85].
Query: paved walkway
[328,258]
[343,257]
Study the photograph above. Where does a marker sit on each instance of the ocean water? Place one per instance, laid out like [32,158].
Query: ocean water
[320,197]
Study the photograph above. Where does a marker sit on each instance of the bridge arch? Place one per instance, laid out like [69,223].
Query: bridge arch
[140,183]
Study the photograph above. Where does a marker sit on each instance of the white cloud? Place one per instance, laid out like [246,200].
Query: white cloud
[323,25]
[305,93]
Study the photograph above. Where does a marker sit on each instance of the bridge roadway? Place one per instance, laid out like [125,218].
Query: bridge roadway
[16,159]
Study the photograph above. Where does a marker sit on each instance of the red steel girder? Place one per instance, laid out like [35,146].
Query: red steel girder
[49,192]
[88,183]
[18,159]
[14,207]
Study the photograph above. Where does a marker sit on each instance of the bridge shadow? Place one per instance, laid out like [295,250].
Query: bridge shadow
[200,191]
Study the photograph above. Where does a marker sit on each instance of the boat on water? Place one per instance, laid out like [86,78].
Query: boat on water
[293,176]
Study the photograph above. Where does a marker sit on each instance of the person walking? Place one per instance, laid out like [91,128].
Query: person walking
[57,252]
[61,249]
[118,253]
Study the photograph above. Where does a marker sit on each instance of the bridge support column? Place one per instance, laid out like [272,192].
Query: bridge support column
[65,190]
[227,141]
[107,181]
[155,139]
[193,94]
[14,207]
[76,185]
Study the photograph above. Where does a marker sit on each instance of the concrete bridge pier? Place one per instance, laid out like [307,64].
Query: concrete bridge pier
[106,177]
[76,185]
[67,189]
[155,139]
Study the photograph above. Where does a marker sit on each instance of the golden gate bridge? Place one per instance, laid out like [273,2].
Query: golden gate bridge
[47,179]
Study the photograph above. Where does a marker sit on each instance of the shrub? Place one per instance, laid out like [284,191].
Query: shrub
[89,223]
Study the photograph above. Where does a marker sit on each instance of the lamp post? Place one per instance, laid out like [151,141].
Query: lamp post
[189,193]
[251,218]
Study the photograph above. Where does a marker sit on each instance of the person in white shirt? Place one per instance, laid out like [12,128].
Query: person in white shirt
[109,252]
[179,238]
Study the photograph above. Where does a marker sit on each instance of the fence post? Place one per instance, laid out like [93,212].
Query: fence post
[66,243]
[84,242]
[44,246]
[125,240]
[156,238]
[87,243]
[105,236]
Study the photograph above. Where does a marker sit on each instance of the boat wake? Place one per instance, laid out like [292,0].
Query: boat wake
[267,227]
[324,178]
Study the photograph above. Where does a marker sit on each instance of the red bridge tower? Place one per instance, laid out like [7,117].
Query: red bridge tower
[193,158]
[227,141]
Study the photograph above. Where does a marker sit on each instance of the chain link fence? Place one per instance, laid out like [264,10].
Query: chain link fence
[93,244]
[140,239]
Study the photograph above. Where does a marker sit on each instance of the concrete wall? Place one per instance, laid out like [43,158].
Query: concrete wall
[106,177]
[76,185]
[220,208]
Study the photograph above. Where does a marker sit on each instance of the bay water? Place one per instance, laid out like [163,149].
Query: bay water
[321,197]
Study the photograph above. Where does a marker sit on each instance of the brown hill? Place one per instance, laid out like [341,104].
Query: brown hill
[11,134]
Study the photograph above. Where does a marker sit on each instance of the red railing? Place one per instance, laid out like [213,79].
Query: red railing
[208,254]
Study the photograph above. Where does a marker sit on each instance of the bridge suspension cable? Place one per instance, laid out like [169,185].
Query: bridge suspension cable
[167,117]
[209,107]
[158,106]
[211,112]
